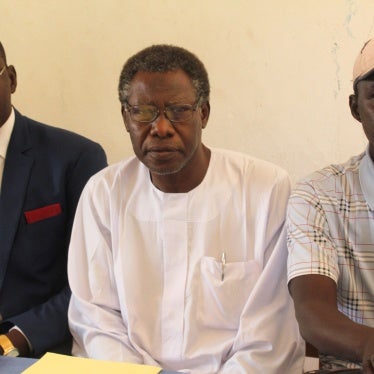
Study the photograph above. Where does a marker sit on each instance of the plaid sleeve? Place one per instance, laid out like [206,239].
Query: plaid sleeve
[310,247]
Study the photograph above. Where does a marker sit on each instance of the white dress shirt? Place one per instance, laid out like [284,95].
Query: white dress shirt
[148,285]
[5,133]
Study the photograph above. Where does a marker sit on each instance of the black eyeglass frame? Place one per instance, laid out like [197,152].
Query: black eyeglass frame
[193,108]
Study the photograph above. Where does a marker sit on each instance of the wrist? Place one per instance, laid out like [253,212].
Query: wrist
[7,347]
[19,341]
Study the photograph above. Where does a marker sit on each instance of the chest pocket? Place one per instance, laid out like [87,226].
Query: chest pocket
[221,302]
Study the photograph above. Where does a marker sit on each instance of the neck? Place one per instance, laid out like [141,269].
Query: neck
[5,116]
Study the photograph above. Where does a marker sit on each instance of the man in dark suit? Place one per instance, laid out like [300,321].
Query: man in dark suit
[42,172]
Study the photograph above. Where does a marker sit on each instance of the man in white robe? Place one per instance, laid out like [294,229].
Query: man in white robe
[178,254]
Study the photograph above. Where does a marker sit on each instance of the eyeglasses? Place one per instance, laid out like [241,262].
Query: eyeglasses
[174,113]
[2,70]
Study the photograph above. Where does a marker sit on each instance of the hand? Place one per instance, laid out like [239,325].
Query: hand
[368,365]
[19,341]
[368,357]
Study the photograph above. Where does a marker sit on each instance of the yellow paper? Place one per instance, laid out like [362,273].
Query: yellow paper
[61,364]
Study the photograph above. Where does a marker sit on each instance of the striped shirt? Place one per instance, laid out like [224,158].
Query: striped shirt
[331,232]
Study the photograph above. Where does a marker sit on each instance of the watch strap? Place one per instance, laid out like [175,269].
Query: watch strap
[8,348]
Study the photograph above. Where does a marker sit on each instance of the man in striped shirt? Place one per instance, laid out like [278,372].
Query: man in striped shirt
[331,244]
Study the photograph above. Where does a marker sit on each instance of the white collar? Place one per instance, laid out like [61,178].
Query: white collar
[6,132]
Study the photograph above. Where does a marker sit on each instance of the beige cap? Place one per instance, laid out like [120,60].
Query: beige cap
[364,64]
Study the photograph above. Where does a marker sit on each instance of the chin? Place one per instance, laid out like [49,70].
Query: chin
[166,170]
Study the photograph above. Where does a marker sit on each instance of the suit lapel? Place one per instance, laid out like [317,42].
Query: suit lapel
[16,175]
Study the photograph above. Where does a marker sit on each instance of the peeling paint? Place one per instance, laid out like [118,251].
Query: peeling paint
[334,51]
[352,10]
[371,28]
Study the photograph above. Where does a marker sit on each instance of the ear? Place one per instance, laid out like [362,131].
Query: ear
[354,107]
[205,111]
[124,114]
[12,74]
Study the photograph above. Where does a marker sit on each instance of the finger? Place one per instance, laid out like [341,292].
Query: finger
[366,367]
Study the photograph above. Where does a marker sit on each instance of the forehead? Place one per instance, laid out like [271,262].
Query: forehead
[153,85]
[366,84]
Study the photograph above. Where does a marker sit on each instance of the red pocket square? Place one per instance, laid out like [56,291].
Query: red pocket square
[39,214]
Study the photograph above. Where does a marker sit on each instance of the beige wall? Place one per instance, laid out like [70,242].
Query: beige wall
[280,70]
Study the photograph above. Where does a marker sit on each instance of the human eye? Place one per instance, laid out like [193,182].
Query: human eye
[143,113]
[180,108]
[140,109]
[179,112]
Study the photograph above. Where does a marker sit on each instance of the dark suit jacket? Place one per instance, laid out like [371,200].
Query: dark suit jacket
[45,171]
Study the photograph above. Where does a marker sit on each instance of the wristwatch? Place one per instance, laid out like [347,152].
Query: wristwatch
[8,348]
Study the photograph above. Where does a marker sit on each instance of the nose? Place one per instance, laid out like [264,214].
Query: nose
[162,127]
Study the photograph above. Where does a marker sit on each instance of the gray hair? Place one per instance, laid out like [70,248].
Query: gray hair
[161,59]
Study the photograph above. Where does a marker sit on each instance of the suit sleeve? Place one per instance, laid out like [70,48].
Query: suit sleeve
[46,325]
